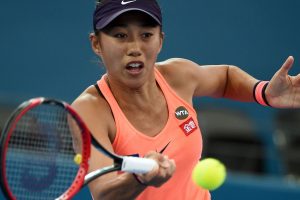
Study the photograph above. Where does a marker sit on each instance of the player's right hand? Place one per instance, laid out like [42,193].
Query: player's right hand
[160,174]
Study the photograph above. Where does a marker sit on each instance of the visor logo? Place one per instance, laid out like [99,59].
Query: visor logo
[127,2]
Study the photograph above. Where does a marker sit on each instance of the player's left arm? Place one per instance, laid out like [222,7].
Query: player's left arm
[227,81]
[190,79]
[283,90]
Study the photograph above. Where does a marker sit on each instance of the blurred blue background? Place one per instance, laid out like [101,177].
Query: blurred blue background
[45,51]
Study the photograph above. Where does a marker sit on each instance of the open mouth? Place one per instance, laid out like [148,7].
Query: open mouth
[134,67]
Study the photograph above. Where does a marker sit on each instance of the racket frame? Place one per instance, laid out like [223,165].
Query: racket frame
[120,163]
[10,127]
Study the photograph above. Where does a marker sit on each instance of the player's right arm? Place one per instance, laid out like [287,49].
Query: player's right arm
[96,113]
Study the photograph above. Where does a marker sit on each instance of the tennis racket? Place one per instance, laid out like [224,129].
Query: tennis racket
[45,149]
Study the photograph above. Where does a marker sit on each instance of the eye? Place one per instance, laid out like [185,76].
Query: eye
[120,35]
[147,35]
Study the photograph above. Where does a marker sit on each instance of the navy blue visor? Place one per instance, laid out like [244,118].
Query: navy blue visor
[108,10]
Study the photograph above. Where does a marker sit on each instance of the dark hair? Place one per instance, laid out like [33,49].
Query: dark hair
[99,2]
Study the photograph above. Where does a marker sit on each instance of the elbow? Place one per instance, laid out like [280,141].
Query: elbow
[224,82]
[229,69]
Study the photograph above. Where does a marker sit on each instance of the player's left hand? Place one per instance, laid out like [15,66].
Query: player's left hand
[283,90]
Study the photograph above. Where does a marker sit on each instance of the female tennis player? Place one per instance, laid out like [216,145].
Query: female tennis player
[144,108]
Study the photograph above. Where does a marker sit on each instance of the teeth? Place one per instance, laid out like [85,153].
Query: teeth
[135,65]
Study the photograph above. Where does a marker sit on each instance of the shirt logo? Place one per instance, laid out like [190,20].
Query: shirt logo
[181,113]
[188,126]
[163,149]
[127,2]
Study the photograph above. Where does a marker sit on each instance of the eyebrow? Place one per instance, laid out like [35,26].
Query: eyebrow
[124,25]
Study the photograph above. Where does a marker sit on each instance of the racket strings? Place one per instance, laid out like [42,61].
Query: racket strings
[40,153]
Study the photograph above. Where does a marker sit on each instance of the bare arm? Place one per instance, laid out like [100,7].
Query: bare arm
[190,79]
[239,85]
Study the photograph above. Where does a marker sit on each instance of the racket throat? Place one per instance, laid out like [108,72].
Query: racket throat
[99,172]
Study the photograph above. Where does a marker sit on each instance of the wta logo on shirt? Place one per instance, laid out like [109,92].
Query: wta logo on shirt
[181,113]
[189,126]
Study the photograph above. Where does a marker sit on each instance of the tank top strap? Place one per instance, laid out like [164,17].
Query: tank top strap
[170,94]
[108,95]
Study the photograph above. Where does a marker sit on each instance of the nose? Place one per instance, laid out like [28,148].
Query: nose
[134,48]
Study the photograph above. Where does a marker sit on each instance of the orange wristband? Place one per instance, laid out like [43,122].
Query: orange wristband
[259,93]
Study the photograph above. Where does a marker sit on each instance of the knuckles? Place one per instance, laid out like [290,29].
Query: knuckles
[161,174]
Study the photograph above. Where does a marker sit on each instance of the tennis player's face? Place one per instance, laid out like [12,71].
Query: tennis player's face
[129,47]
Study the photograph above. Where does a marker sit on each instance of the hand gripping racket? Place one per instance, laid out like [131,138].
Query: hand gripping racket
[45,149]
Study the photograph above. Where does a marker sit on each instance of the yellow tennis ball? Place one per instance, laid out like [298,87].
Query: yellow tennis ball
[78,159]
[209,173]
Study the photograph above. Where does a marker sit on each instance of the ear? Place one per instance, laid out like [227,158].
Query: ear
[161,40]
[94,39]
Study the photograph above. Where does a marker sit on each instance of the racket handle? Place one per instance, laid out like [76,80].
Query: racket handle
[138,165]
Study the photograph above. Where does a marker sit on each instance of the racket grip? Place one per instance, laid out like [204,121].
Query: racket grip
[138,165]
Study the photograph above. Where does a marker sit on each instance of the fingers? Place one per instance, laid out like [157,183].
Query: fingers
[160,175]
[167,167]
[287,65]
[164,162]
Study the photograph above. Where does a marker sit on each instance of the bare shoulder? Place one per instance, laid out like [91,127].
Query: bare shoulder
[180,75]
[189,79]
[177,70]
[89,100]
[176,65]
[95,112]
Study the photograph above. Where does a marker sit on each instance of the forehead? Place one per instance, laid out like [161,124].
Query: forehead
[133,17]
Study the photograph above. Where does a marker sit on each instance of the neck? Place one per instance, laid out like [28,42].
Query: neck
[141,97]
